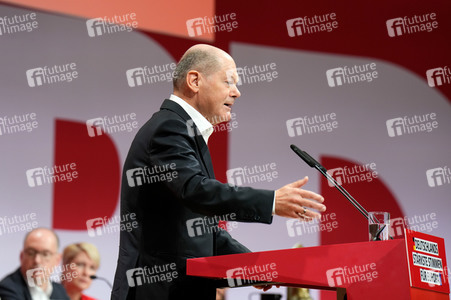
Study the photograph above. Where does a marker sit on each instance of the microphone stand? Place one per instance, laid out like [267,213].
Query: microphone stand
[314,164]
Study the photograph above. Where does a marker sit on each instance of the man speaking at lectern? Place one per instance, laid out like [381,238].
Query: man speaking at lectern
[168,182]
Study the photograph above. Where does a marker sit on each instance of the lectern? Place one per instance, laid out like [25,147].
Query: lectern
[412,267]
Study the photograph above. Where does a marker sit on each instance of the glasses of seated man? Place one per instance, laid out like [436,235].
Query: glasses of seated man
[45,255]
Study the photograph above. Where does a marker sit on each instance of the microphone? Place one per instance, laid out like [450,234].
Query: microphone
[307,158]
[103,279]
[314,164]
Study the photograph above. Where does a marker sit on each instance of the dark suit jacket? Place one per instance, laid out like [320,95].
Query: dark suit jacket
[14,287]
[166,209]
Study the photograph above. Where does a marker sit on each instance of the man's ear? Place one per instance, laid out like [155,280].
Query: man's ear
[192,81]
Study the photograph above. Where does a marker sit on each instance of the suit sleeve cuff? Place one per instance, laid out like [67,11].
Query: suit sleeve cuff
[274,204]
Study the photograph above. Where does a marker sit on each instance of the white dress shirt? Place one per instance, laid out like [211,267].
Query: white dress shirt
[205,127]
[38,293]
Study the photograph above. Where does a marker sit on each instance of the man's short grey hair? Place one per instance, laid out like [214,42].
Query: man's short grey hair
[203,61]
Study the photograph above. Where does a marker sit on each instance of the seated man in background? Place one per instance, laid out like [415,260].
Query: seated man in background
[38,259]
[86,259]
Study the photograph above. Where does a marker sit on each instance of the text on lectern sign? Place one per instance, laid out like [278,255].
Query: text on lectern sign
[427,261]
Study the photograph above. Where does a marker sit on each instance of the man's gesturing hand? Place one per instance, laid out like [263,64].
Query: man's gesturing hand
[294,202]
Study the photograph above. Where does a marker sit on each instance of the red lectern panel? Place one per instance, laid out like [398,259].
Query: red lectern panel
[368,270]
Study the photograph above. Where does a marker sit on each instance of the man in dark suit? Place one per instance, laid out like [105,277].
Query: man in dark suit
[168,182]
[37,259]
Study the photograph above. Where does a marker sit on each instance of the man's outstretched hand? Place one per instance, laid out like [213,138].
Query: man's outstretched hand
[294,202]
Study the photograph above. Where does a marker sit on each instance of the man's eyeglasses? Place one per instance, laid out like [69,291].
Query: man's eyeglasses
[45,255]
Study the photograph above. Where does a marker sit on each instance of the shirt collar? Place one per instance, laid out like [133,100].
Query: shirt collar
[205,127]
[38,293]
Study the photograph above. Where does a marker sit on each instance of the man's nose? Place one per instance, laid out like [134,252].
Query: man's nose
[37,260]
[235,92]
[85,271]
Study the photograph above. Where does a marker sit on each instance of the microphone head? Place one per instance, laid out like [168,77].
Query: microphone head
[93,277]
[305,157]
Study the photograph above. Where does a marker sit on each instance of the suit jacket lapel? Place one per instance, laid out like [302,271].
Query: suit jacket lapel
[205,154]
[19,278]
[202,147]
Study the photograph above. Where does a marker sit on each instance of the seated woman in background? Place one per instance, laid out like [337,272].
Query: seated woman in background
[86,258]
